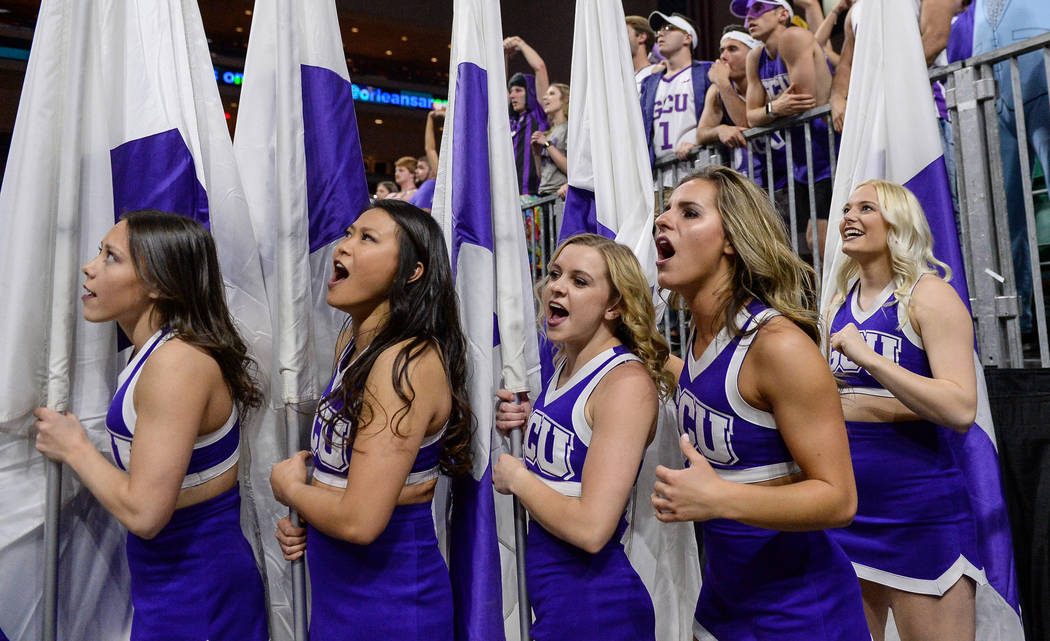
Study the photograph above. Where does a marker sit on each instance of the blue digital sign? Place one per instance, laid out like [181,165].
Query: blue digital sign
[361,93]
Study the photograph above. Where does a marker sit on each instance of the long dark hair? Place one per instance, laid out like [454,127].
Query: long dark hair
[423,314]
[175,256]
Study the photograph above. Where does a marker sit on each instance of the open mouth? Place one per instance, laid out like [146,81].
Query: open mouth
[88,294]
[664,250]
[556,314]
[339,274]
[850,234]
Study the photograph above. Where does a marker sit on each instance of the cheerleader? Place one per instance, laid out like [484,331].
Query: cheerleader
[394,414]
[174,428]
[768,463]
[903,346]
[584,443]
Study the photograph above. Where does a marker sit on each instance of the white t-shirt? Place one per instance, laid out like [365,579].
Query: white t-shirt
[641,75]
[674,113]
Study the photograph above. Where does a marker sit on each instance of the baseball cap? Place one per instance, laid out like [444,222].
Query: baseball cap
[657,20]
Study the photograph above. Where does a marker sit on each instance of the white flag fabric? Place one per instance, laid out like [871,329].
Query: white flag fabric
[611,193]
[300,160]
[891,133]
[299,156]
[476,202]
[119,111]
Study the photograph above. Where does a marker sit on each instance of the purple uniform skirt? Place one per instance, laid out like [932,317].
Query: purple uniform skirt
[790,586]
[914,528]
[197,579]
[396,588]
[579,596]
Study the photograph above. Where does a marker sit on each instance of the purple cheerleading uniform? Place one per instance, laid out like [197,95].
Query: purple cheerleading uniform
[914,529]
[774,76]
[396,587]
[759,584]
[197,579]
[574,594]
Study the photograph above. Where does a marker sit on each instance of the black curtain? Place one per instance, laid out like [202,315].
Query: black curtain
[1020,402]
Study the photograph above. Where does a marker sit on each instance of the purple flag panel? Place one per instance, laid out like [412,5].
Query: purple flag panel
[335,179]
[474,560]
[156,172]
[974,450]
[472,197]
[930,186]
[581,216]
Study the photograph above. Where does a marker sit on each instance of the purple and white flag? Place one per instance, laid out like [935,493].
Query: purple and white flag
[476,202]
[119,111]
[891,133]
[299,157]
[611,193]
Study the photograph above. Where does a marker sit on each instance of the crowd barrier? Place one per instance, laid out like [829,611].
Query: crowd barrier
[974,95]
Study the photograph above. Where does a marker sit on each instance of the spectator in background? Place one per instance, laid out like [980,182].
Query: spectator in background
[426,166]
[526,113]
[724,118]
[385,189]
[812,13]
[786,76]
[826,28]
[673,100]
[641,37]
[549,147]
[405,177]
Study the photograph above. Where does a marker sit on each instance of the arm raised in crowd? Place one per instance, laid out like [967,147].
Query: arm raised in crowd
[430,139]
[935,23]
[823,33]
[840,83]
[539,68]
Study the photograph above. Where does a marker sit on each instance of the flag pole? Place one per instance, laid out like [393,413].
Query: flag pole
[65,231]
[51,518]
[291,422]
[524,608]
[286,263]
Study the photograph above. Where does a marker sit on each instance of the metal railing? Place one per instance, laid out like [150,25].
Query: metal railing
[974,95]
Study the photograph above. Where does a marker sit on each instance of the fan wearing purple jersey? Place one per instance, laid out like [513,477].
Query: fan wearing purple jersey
[761,422]
[903,346]
[394,414]
[584,442]
[174,427]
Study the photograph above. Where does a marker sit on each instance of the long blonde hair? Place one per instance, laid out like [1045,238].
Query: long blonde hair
[636,328]
[763,266]
[908,239]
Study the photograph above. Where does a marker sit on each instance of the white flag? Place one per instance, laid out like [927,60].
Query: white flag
[300,160]
[120,111]
[611,193]
[476,201]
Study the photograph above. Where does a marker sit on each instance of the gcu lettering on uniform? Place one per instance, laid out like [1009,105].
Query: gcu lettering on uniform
[548,446]
[331,451]
[886,345]
[695,418]
[672,103]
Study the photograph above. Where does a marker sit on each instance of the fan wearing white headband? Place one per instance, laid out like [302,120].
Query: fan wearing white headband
[672,101]
[724,118]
